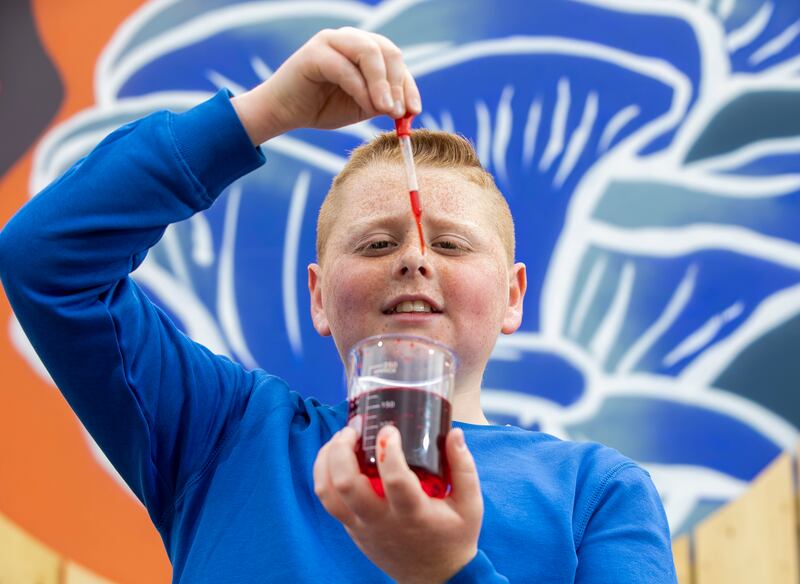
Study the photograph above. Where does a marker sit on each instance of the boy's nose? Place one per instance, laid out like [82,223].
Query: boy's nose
[406,269]
[412,262]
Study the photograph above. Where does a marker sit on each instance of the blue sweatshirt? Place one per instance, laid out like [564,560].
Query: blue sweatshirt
[222,457]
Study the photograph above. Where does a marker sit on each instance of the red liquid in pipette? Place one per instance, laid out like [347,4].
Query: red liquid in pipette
[416,209]
[403,128]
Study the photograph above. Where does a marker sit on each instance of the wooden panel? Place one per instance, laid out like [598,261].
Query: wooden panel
[23,560]
[682,555]
[75,574]
[754,538]
[797,493]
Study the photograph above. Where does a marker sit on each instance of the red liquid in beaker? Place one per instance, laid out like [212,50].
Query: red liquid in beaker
[423,419]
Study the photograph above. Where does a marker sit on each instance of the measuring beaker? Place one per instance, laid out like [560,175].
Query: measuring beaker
[406,381]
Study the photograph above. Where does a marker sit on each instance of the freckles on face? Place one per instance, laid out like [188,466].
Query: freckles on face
[477,297]
[350,290]
[355,290]
[470,282]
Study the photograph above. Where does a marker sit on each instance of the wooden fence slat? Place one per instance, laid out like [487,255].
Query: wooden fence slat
[797,496]
[24,560]
[754,538]
[682,556]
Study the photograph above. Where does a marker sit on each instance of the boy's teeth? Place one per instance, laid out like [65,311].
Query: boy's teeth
[413,306]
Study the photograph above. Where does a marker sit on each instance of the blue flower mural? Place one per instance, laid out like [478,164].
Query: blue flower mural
[650,153]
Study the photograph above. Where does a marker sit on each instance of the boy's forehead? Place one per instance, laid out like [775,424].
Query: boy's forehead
[378,193]
[382,188]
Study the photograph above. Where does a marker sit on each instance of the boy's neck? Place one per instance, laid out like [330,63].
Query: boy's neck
[467,404]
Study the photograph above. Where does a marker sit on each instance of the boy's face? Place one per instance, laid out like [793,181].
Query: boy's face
[373,266]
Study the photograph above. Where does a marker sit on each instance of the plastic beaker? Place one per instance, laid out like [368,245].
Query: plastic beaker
[406,381]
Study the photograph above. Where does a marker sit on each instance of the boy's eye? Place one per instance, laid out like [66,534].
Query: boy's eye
[450,245]
[447,244]
[377,246]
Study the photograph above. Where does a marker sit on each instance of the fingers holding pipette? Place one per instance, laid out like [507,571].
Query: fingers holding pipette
[405,94]
[374,61]
[338,77]
[391,86]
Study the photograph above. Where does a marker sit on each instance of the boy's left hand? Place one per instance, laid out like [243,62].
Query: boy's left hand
[409,535]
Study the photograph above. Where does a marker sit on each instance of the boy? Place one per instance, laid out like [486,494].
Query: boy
[246,481]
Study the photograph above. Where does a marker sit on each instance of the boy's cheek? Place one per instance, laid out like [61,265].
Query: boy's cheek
[351,292]
[478,299]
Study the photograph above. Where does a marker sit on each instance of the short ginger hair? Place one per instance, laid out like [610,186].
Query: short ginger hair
[432,149]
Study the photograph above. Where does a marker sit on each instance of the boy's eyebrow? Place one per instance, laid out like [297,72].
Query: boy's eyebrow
[471,227]
[396,220]
[388,220]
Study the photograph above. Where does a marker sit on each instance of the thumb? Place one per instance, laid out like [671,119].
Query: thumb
[466,487]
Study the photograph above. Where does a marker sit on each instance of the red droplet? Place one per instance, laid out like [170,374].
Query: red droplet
[416,209]
[381,449]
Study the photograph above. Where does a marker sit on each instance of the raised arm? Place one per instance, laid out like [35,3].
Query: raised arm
[146,393]
[157,403]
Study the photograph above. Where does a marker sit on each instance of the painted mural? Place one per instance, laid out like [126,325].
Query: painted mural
[649,151]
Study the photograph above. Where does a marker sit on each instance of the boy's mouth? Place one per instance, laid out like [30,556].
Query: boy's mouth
[417,304]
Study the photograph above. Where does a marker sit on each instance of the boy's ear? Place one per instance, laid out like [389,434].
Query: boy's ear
[517,284]
[318,316]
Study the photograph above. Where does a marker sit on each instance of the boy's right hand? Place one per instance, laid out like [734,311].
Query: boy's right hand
[339,77]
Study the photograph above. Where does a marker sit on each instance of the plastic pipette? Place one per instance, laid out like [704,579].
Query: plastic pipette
[403,128]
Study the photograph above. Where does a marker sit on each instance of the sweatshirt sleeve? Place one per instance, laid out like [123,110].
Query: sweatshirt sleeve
[157,403]
[626,537]
[478,571]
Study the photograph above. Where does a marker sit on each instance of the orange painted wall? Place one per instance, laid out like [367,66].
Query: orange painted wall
[49,482]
